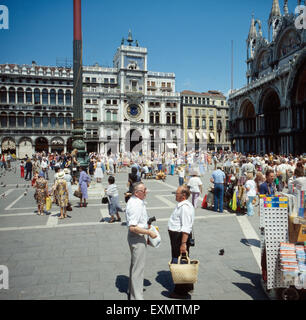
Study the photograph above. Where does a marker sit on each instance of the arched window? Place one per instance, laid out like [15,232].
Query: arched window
[36,96]
[20,119]
[157,117]
[68,98]
[3,120]
[61,120]
[52,96]
[45,96]
[151,117]
[174,118]
[28,95]
[20,95]
[53,120]
[3,95]
[168,118]
[37,120]
[45,120]
[60,97]
[68,120]
[12,120]
[12,95]
[29,120]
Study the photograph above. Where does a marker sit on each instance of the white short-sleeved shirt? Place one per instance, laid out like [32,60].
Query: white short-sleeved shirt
[182,217]
[194,184]
[252,185]
[136,213]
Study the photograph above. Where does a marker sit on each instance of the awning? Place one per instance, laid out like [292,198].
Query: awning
[190,135]
[198,135]
[212,136]
[171,145]
[205,136]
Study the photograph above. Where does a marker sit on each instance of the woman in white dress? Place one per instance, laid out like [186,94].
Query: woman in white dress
[98,172]
[68,179]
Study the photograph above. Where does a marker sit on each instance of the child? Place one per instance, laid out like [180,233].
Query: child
[22,169]
[113,203]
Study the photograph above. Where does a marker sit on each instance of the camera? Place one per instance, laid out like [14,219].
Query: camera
[151,220]
[191,242]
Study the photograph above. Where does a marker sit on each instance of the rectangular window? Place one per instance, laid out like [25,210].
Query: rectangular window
[108,102]
[105,80]
[94,80]
[189,123]
[112,80]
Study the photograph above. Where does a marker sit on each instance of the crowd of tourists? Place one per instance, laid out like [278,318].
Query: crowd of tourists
[236,179]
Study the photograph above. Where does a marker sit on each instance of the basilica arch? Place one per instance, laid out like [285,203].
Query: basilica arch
[248,126]
[269,107]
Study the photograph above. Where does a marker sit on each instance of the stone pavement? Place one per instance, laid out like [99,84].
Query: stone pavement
[81,258]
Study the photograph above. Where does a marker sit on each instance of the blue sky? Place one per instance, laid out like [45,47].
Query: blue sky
[190,38]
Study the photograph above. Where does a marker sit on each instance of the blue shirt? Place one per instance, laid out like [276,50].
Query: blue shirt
[218,176]
[264,188]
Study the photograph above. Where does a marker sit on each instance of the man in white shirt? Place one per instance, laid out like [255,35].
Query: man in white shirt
[180,232]
[137,218]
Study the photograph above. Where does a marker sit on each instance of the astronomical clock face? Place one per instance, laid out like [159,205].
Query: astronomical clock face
[133,112]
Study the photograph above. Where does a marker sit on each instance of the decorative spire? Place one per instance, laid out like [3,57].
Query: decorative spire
[286,10]
[275,12]
[252,32]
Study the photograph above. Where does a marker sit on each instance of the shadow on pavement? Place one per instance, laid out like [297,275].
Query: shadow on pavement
[251,242]
[165,279]
[122,283]
[253,289]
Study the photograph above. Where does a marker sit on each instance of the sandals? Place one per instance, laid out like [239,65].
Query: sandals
[112,220]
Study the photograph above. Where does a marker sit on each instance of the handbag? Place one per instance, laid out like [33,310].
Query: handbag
[78,194]
[48,203]
[184,273]
[105,200]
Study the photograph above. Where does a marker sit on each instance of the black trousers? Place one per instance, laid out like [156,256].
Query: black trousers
[175,241]
[29,172]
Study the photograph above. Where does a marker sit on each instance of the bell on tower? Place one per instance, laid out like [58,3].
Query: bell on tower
[130,38]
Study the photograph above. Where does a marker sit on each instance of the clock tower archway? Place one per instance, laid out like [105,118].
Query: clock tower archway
[133,141]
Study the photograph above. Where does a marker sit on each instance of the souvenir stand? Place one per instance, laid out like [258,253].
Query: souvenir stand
[282,247]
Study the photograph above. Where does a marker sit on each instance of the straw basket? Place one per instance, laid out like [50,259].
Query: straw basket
[184,273]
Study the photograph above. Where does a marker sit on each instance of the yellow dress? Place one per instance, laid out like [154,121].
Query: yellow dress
[62,193]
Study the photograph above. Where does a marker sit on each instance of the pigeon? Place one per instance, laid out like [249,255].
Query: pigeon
[25,193]
[17,186]
[221,253]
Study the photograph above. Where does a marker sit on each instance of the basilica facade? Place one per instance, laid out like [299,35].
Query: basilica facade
[269,113]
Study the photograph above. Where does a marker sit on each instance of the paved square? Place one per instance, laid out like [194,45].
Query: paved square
[82,258]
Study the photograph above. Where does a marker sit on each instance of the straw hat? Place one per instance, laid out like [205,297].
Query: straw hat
[61,174]
[66,170]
